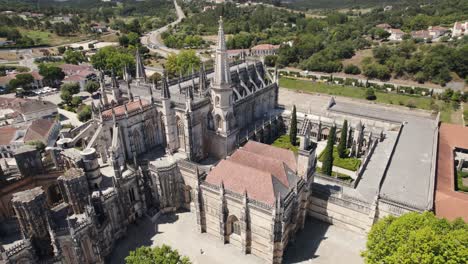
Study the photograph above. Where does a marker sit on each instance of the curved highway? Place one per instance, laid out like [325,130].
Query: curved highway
[152,39]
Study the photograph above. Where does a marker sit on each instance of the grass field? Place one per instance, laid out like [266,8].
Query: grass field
[284,142]
[349,163]
[51,39]
[419,102]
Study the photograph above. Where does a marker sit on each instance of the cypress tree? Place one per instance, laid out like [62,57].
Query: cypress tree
[327,164]
[343,139]
[293,128]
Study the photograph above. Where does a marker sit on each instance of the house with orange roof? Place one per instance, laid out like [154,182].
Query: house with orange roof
[264,50]
[15,136]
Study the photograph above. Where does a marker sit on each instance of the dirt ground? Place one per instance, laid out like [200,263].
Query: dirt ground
[8,55]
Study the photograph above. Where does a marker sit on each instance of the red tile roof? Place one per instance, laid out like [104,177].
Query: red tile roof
[25,106]
[383,26]
[261,170]
[120,110]
[448,202]
[6,134]
[39,130]
[265,47]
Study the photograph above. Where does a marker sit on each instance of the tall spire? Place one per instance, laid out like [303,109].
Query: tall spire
[115,87]
[165,93]
[222,72]
[140,68]
[153,86]
[102,87]
[127,78]
[202,79]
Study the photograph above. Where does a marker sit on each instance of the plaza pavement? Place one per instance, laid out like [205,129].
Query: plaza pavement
[317,243]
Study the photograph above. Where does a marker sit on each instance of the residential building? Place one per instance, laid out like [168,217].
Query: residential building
[459,29]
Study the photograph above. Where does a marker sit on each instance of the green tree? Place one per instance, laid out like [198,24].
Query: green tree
[370,94]
[123,41]
[327,164]
[52,74]
[270,60]
[67,91]
[183,62]
[163,254]
[155,77]
[74,57]
[92,86]
[76,101]
[116,58]
[343,140]
[85,113]
[293,127]
[61,49]
[38,144]
[351,69]
[382,53]
[416,238]
[23,80]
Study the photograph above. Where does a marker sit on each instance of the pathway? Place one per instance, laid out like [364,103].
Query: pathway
[317,243]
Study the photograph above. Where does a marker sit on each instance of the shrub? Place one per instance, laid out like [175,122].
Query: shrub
[370,94]
[352,69]
[85,114]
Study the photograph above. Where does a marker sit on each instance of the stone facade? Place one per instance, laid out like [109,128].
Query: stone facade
[155,152]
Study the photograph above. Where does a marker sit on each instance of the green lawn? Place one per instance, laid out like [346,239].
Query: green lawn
[460,186]
[51,39]
[351,164]
[420,102]
[284,142]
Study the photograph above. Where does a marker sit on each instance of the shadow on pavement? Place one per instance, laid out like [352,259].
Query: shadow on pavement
[138,234]
[307,242]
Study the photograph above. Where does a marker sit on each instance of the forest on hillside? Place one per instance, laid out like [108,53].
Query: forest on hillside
[322,43]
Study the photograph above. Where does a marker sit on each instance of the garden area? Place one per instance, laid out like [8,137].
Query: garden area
[285,143]
[348,163]
[462,181]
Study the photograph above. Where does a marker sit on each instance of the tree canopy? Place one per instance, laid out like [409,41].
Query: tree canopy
[74,57]
[113,58]
[417,238]
[163,254]
[183,62]
[52,74]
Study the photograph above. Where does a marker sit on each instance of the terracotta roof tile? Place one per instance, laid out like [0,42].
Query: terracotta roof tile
[120,110]
[261,170]
[284,155]
[448,202]
[39,130]
[265,47]
[6,134]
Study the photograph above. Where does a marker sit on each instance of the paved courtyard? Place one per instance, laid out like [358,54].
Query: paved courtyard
[317,243]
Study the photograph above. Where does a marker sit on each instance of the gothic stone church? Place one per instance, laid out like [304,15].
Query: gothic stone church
[194,143]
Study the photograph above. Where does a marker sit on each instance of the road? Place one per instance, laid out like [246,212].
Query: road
[28,59]
[152,39]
